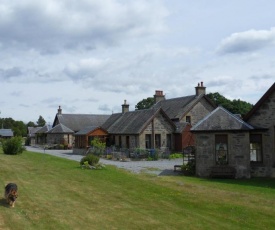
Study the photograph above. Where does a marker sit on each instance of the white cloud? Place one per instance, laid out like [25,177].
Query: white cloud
[89,56]
[247,41]
[50,26]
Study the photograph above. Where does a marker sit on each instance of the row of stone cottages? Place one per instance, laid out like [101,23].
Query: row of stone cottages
[221,138]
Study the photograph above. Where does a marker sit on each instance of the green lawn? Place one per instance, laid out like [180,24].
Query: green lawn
[56,193]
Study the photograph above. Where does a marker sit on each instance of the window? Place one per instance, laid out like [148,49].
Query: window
[256,148]
[188,119]
[157,141]
[148,141]
[221,149]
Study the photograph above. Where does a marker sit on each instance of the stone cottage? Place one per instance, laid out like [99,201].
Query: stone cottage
[262,141]
[222,145]
[147,129]
[66,125]
[31,134]
[185,112]
[227,144]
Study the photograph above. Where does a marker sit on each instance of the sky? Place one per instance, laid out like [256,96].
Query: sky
[88,56]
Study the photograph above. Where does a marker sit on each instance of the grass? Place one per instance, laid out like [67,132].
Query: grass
[56,193]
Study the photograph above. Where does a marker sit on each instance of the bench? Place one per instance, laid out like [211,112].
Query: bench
[222,171]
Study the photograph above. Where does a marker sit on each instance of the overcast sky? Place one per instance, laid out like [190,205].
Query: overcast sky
[88,56]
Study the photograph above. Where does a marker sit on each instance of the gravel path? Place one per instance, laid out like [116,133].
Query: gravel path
[160,167]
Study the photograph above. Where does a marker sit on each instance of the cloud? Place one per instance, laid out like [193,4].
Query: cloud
[247,41]
[8,74]
[104,108]
[50,26]
[262,77]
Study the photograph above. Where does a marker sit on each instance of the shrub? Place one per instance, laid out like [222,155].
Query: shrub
[98,147]
[153,155]
[189,168]
[91,159]
[13,146]
[175,156]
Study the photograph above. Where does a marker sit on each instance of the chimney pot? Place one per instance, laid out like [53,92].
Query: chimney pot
[158,96]
[125,107]
[59,111]
[200,89]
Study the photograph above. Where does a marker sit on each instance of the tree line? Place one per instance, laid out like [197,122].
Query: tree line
[19,128]
[234,106]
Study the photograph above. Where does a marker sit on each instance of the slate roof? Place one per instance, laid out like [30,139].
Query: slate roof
[111,120]
[87,130]
[221,120]
[176,108]
[44,129]
[6,133]
[260,102]
[76,122]
[32,131]
[60,128]
[132,122]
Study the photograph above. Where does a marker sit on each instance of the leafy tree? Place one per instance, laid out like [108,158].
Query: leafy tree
[18,127]
[145,103]
[41,121]
[234,106]
[31,124]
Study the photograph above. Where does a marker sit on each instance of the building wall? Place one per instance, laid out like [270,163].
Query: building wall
[238,153]
[59,138]
[160,126]
[265,117]
[199,111]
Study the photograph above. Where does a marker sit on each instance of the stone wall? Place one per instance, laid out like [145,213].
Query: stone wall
[199,111]
[265,117]
[238,153]
[59,138]
[161,126]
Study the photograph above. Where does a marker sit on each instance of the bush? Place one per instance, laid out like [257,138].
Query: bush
[189,169]
[91,159]
[98,147]
[13,146]
[175,156]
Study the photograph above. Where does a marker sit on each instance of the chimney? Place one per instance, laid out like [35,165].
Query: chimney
[59,111]
[125,107]
[158,96]
[200,89]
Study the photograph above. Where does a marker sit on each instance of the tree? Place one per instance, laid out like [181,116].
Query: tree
[41,121]
[145,103]
[31,124]
[18,127]
[235,106]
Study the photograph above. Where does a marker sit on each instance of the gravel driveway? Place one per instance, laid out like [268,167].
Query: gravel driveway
[160,167]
